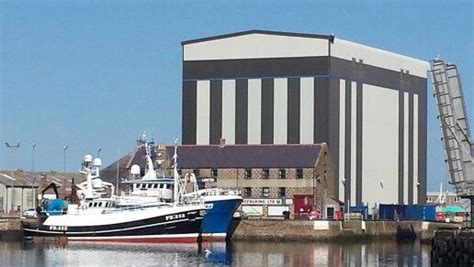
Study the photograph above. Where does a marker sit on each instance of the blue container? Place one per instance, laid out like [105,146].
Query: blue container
[413,212]
[407,212]
[429,213]
[388,211]
[361,209]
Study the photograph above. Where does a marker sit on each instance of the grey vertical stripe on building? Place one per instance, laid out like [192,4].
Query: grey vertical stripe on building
[410,148]
[401,123]
[347,142]
[188,135]
[359,144]
[333,138]
[241,111]
[321,87]
[267,111]
[215,125]
[293,124]
[422,113]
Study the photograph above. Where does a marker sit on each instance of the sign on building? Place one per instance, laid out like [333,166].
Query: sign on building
[262,201]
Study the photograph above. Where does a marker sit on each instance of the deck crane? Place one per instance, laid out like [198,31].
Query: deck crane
[457,142]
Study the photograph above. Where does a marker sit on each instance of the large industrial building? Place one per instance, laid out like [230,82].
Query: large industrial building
[278,88]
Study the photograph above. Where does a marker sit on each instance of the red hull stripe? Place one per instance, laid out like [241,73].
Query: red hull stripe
[139,240]
[173,238]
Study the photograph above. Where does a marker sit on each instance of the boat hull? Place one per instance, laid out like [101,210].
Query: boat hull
[147,225]
[216,225]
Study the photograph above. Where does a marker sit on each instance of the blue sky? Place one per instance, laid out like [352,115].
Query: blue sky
[92,74]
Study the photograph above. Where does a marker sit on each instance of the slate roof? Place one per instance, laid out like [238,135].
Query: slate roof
[246,156]
[25,178]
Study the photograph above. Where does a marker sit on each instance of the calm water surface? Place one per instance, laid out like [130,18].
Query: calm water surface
[216,254]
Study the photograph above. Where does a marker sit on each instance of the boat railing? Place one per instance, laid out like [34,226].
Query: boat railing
[216,192]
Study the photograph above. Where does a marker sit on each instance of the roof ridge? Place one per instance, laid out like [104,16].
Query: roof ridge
[329,37]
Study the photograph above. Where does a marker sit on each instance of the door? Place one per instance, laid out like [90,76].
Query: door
[303,205]
[330,213]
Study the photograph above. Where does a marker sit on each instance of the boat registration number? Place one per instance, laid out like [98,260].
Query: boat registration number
[175,216]
[57,228]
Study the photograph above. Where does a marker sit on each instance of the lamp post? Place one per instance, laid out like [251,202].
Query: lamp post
[33,159]
[64,159]
[346,201]
[11,147]
[34,177]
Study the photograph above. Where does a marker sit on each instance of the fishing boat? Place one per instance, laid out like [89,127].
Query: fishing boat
[221,204]
[99,218]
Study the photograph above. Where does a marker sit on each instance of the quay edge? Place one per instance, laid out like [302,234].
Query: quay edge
[298,230]
[292,230]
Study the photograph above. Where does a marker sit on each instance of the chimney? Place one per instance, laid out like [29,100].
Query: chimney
[221,142]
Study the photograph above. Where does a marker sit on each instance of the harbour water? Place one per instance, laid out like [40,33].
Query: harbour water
[236,253]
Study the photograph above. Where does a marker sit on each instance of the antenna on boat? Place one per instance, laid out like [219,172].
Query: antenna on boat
[175,173]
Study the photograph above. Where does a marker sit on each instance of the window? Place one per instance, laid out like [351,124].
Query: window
[149,185]
[282,173]
[90,205]
[299,173]
[214,172]
[265,173]
[265,191]
[180,172]
[248,173]
[100,204]
[155,186]
[196,172]
[282,192]
[95,204]
[247,192]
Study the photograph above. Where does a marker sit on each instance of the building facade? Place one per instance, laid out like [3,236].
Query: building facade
[264,87]
[16,193]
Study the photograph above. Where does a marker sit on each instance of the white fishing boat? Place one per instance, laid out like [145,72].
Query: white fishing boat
[221,204]
[99,218]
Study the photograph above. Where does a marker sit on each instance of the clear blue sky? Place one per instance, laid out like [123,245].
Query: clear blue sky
[99,73]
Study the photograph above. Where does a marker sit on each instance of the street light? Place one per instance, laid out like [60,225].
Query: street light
[33,158]
[34,178]
[64,159]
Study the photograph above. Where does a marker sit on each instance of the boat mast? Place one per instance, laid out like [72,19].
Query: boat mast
[175,174]
[150,173]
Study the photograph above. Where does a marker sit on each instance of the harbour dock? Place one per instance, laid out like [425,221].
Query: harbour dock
[300,230]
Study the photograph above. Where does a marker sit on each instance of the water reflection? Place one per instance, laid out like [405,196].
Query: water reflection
[221,254]
[330,254]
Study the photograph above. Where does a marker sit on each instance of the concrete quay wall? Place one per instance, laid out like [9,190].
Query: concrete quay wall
[10,228]
[285,230]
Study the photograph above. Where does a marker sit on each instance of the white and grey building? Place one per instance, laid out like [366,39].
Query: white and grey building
[266,87]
